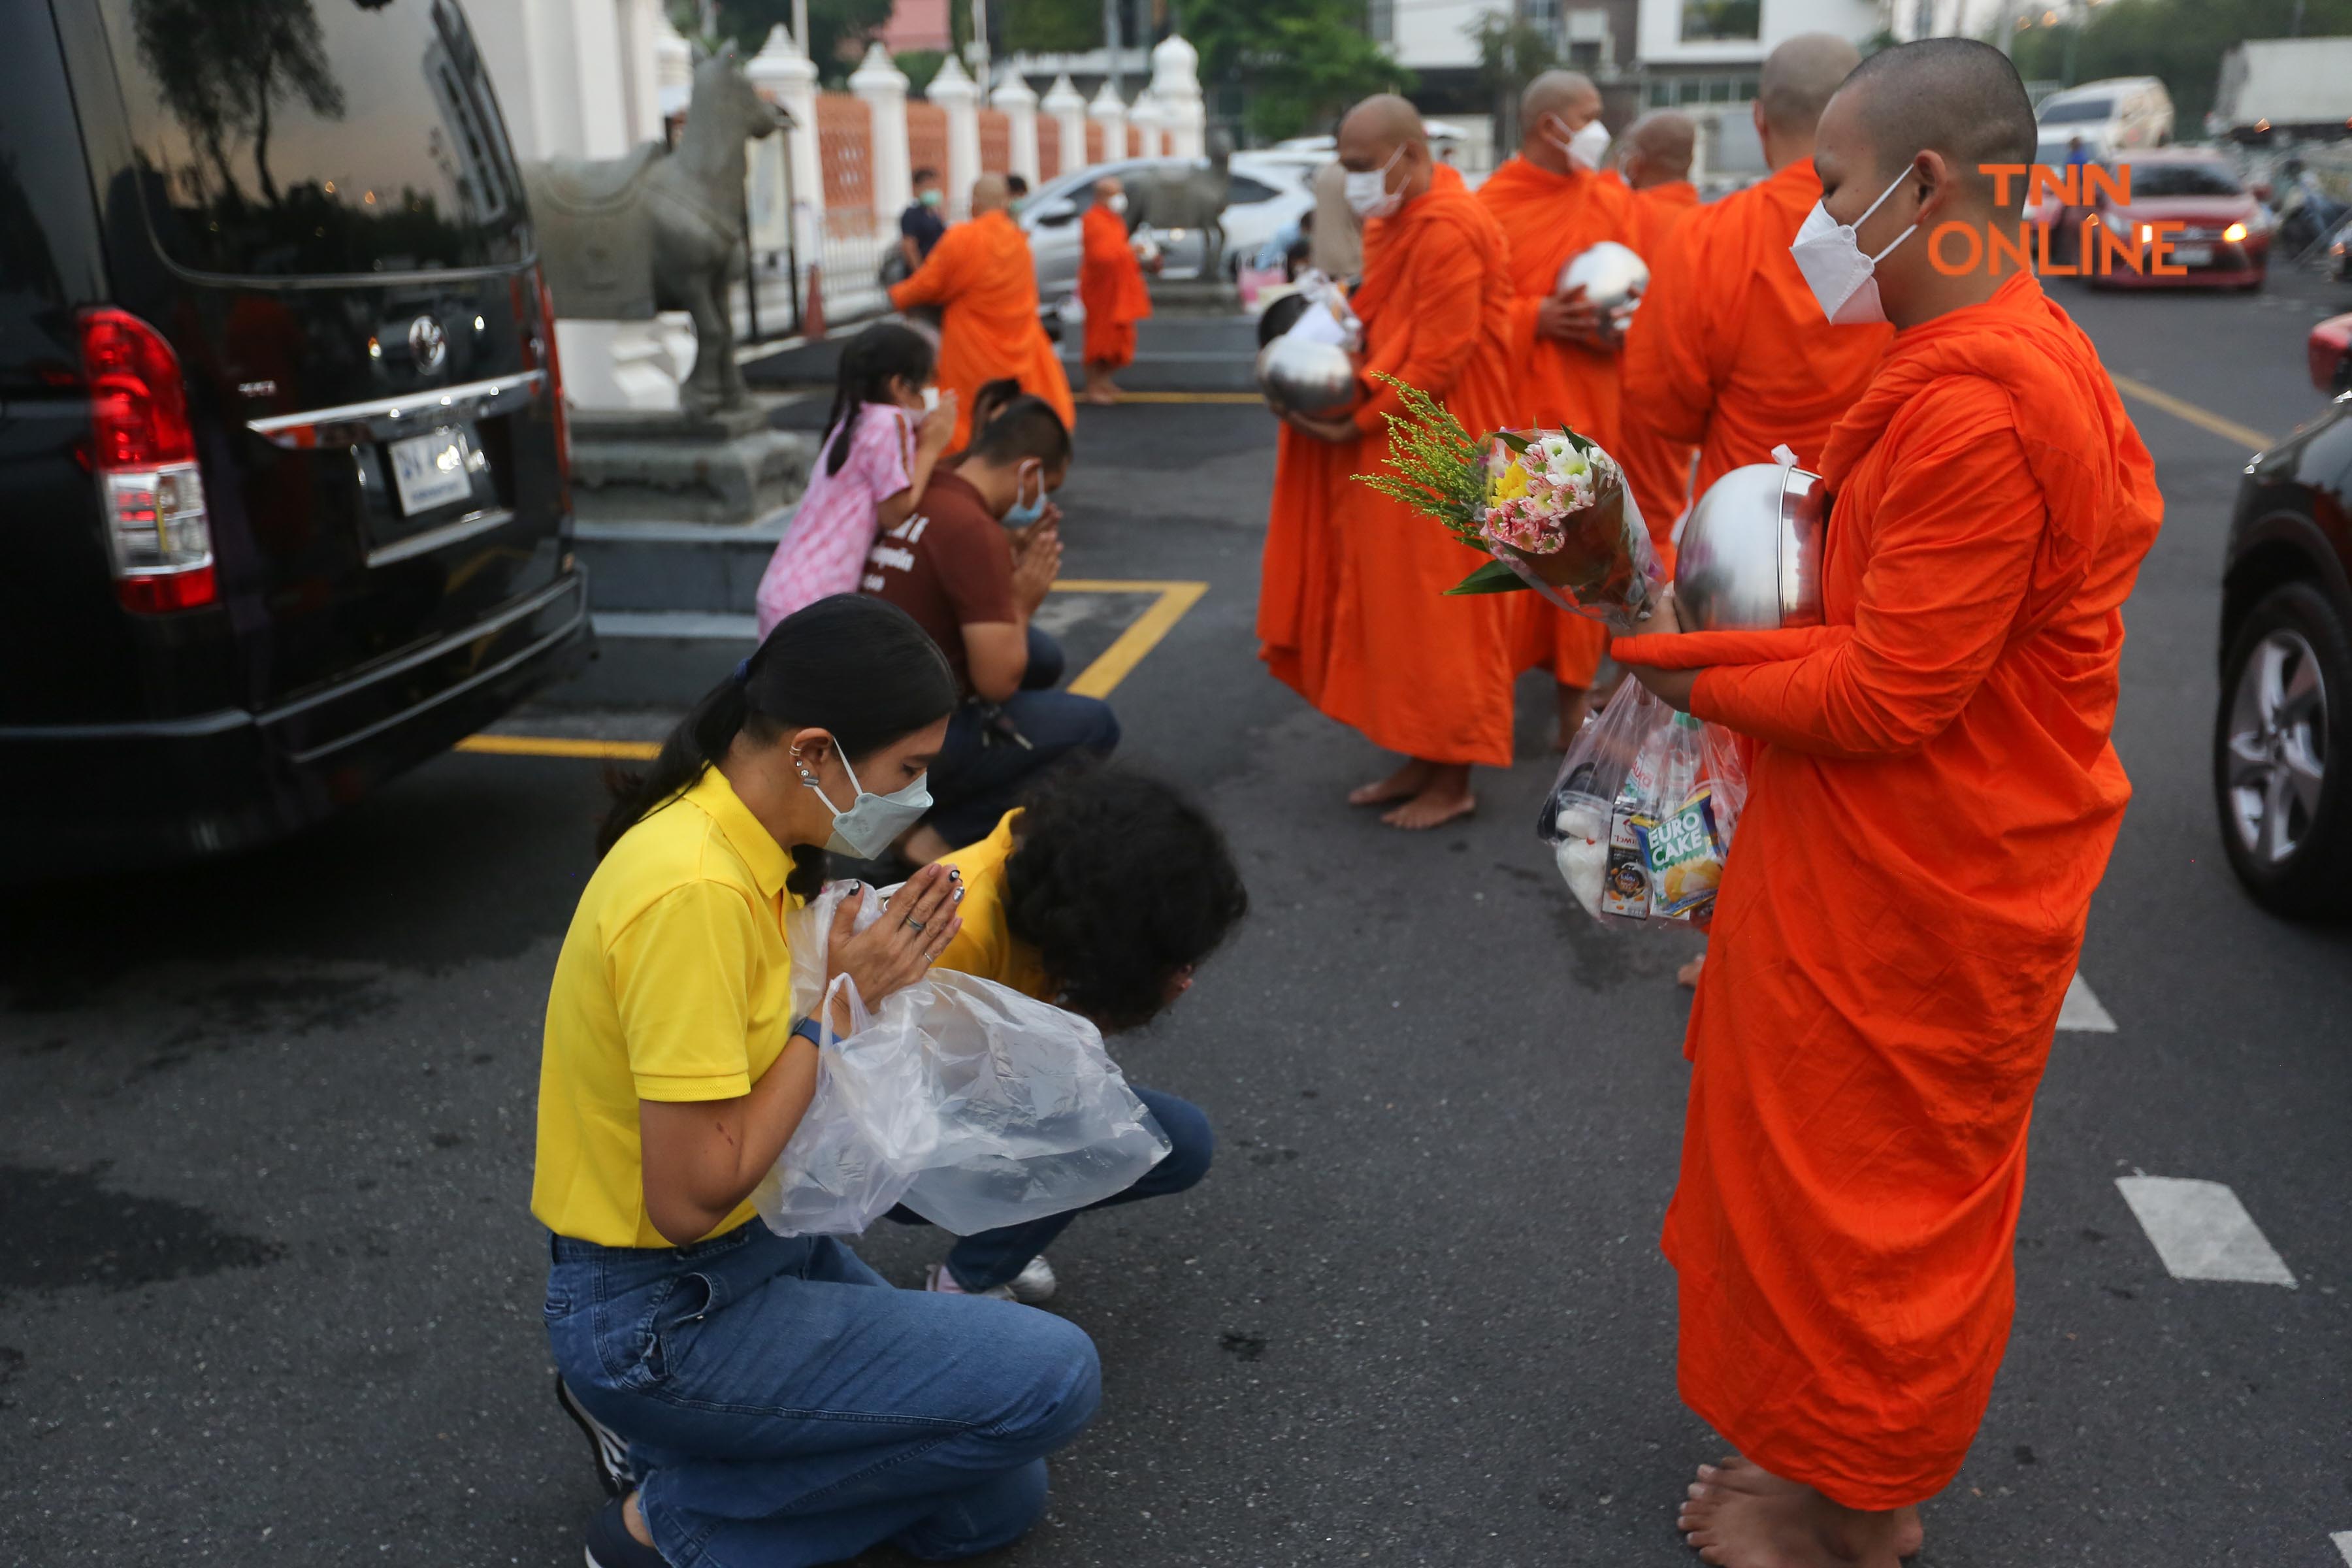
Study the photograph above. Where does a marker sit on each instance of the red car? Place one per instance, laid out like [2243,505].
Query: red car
[2223,234]
[2330,348]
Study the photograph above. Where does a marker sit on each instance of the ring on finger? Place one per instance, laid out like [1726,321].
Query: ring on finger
[916,924]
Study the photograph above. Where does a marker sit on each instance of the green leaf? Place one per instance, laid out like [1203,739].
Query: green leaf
[1492,578]
[1513,440]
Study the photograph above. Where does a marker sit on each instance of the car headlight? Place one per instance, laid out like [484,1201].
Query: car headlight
[2147,234]
[2234,234]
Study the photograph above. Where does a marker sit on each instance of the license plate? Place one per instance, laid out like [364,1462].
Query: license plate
[2193,255]
[430,470]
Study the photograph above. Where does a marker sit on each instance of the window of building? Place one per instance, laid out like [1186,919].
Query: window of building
[1382,21]
[1712,21]
[1689,89]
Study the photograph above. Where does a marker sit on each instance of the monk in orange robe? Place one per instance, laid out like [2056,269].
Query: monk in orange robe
[1729,349]
[1553,206]
[1932,803]
[981,276]
[1655,166]
[1110,287]
[1353,613]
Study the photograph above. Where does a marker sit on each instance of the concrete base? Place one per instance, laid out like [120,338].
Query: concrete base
[724,467]
[626,366]
[1194,297]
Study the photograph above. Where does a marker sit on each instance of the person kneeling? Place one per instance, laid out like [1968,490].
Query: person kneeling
[1050,909]
[976,589]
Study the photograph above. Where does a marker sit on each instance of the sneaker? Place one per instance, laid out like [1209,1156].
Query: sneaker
[944,1283]
[607,1448]
[1035,1284]
[610,1544]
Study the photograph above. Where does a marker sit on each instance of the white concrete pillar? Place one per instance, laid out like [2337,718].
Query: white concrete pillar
[1067,105]
[1150,125]
[883,86]
[1108,111]
[673,66]
[640,70]
[1017,101]
[954,91]
[1176,83]
[784,71]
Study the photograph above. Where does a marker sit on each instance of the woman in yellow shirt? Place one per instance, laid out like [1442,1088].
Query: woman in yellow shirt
[758,1398]
[1051,911]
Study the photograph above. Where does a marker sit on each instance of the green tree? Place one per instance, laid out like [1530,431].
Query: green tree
[2180,42]
[1511,54]
[1299,64]
[1050,26]
[839,30]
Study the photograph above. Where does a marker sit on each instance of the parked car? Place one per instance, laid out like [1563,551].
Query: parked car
[282,460]
[2329,348]
[1265,194]
[2224,238]
[2116,115]
[2282,772]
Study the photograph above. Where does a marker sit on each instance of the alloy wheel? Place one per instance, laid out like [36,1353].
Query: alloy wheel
[2278,746]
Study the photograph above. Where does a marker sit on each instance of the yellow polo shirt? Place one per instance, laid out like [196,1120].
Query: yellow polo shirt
[986,946]
[674,983]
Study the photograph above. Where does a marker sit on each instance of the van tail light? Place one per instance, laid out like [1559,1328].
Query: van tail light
[143,454]
[553,364]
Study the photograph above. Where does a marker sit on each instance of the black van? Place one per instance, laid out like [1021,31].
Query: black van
[282,497]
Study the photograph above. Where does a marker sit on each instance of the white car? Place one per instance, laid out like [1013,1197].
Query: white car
[1265,196]
[2111,117]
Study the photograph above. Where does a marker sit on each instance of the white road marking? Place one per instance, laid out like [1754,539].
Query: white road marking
[2081,1010]
[2343,1539]
[2202,1231]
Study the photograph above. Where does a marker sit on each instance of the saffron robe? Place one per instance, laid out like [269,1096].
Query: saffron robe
[1353,612]
[1110,287]
[982,277]
[1658,466]
[1548,219]
[1933,798]
[1730,349]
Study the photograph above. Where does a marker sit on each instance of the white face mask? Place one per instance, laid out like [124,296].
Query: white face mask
[873,822]
[1117,204]
[1841,275]
[930,399]
[1367,192]
[1586,145]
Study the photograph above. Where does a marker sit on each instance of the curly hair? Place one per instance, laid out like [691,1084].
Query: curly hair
[1120,883]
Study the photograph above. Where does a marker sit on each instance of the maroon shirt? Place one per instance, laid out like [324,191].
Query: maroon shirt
[950,565]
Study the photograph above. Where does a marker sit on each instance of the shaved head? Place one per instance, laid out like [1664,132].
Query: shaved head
[1388,120]
[1658,148]
[1799,79]
[1569,94]
[990,193]
[1385,133]
[1107,187]
[1953,96]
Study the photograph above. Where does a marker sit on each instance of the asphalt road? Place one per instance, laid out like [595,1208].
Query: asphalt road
[270,1291]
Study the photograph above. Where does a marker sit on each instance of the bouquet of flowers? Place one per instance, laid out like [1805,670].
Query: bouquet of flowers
[1551,508]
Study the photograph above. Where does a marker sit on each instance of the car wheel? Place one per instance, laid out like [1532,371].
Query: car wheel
[2280,773]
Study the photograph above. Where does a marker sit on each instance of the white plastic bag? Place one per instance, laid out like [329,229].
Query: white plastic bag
[973,1104]
[1641,817]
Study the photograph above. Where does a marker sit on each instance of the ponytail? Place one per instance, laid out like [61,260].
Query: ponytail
[855,666]
[882,352]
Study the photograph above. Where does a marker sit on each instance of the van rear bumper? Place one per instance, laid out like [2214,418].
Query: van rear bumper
[89,797]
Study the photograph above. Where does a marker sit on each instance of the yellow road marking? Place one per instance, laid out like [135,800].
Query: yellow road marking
[2228,429]
[1100,679]
[1191,397]
[1103,676]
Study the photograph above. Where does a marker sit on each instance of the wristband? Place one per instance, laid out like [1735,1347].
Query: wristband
[807,1030]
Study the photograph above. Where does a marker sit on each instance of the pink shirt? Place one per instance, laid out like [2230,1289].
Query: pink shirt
[825,545]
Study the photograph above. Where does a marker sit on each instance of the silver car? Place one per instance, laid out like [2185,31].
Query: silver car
[1268,194]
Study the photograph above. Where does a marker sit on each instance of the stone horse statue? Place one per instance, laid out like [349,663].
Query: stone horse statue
[620,239]
[1195,197]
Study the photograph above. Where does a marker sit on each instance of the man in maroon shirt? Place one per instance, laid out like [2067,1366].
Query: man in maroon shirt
[971,566]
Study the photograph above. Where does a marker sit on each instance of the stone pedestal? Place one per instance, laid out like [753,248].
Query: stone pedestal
[727,466]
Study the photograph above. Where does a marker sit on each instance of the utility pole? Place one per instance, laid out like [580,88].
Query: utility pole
[1111,48]
[979,44]
[799,29]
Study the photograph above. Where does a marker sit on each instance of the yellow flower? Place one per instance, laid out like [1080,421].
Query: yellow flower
[1508,485]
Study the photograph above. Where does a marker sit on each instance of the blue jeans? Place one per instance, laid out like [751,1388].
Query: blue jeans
[785,1406]
[992,1257]
[980,773]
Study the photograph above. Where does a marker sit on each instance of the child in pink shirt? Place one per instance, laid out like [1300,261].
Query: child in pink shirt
[880,445]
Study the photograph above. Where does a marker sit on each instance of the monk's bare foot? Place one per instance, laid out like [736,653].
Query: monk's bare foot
[1445,796]
[1574,703]
[1739,1515]
[1402,784]
[1688,975]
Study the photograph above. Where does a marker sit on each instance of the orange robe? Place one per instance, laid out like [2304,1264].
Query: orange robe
[1351,608]
[1548,218]
[1658,466]
[1110,287]
[1933,800]
[981,276]
[1730,349]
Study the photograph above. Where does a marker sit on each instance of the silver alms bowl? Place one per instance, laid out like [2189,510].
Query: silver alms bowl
[1313,378]
[1611,274]
[1750,556]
